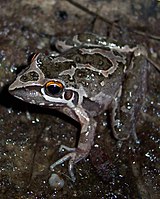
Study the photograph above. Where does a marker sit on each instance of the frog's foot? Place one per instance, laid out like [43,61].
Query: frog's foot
[85,143]
[75,156]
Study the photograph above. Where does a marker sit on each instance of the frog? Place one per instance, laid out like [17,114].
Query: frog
[82,79]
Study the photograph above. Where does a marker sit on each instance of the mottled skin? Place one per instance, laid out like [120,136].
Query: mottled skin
[83,81]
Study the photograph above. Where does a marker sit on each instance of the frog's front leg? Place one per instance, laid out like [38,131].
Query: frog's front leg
[86,140]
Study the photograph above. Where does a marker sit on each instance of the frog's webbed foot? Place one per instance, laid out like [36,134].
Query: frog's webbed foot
[74,156]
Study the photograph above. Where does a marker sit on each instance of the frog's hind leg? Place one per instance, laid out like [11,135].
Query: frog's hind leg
[118,120]
[123,122]
[127,108]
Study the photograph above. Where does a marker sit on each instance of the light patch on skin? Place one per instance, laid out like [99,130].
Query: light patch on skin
[62,60]
[72,70]
[69,72]
[62,46]
[102,98]
[108,54]
[19,97]
[82,93]
[99,44]
[34,93]
[102,83]
[124,49]
[83,117]
[33,67]
[76,40]
[119,92]
[42,104]
[140,50]
[33,102]
[100,95]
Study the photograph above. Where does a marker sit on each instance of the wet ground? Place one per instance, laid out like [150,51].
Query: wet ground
[31,136]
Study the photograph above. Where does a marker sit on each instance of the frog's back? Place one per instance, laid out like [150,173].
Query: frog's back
[97,69]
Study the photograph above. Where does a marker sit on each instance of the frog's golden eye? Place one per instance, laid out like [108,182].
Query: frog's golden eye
[54,88]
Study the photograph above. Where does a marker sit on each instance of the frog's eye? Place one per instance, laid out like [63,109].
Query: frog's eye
[54,88]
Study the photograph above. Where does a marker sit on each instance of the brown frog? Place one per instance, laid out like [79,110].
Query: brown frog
[83,81]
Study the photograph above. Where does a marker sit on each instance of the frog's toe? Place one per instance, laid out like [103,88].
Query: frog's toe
[72,157]
[63,147]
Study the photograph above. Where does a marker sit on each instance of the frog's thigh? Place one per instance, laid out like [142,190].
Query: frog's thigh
[128,103]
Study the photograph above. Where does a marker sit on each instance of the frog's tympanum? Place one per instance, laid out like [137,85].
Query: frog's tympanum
[84,80]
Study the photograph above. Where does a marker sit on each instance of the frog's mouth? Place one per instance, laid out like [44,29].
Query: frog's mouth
[30,95]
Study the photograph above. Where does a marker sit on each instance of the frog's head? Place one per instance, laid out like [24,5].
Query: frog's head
[38,85]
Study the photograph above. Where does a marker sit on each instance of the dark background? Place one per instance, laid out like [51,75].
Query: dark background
[31,136]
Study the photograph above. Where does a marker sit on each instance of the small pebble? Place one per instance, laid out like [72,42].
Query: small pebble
[56,182]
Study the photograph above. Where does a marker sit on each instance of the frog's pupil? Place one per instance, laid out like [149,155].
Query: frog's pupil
[53,89]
